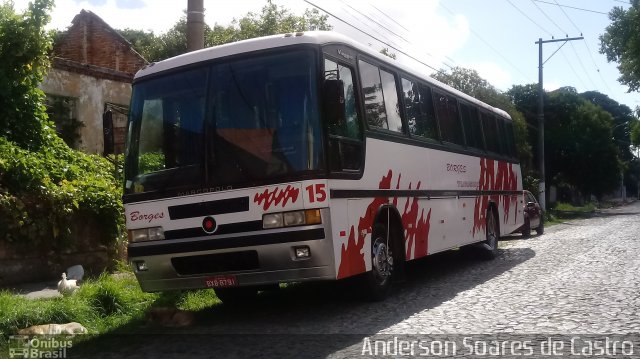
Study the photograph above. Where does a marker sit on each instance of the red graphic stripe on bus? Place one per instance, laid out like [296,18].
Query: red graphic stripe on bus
[504,179]
[268,198]
[352,257]
[416,230]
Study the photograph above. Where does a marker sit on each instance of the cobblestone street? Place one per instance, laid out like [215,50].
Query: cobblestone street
[580,277]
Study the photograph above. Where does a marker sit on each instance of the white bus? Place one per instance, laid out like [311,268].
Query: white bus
[305,157]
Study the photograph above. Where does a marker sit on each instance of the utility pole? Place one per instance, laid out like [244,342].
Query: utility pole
[543,192]
[195,25]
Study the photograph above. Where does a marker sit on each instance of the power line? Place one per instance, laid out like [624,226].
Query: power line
[567,16]
[530,19]
[409,32]
[586,44]
[572,7]
[390,18]
[489,45]
[368,26]
[582,65]
[386,28]
[549,18]
[372,20]
[573,70]
[373,37]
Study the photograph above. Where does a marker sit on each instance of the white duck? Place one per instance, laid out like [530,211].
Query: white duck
[67,287]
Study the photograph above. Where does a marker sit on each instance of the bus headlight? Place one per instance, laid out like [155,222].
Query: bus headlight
[272,220]
[145,234]
[290,219]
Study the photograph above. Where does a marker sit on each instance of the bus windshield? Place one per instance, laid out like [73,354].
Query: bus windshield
[227,123]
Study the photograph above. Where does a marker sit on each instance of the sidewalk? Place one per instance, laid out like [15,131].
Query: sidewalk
[36,290]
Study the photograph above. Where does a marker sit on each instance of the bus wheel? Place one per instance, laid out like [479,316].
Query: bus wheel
[490,245]
[236,295]
[540,229]
[526,228]
[377,282]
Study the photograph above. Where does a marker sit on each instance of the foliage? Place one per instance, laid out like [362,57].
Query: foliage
[59,111]
[635,134]
[387,52]
[42,181]
[579,137]
[470,82]
[624,123]
[270,21]
[23,54]
[566,207]
[621,43]
[40,191]
[151,162]
[102,305]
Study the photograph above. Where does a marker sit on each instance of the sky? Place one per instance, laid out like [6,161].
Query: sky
[494,37]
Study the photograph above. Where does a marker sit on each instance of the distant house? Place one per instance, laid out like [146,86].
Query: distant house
[89,84]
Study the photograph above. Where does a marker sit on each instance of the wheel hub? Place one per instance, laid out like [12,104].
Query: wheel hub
[382,259]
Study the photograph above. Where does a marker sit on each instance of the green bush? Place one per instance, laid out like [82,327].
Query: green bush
[43,182]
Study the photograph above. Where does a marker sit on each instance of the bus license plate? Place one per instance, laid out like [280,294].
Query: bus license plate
[221,281]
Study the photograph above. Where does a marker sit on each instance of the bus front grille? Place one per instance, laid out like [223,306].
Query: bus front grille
[216,263]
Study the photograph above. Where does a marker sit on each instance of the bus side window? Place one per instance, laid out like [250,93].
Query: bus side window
[419,110]
[390,93]
[448,118]
[513,151]
[345,137]
[490,132]
[472,128]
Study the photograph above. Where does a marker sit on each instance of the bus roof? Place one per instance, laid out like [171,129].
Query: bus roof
[282,40]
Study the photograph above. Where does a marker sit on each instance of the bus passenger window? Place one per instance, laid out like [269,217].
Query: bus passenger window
[419,106]
[472,127]
[448,118]
[390,92]
[351,127]
[490,132]
[375,111]
[345,146]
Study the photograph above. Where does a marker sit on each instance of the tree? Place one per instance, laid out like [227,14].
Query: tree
[270,21]
[578,136]
[470,82]
[621,43]
[24,47]
[43,182]
[387,52]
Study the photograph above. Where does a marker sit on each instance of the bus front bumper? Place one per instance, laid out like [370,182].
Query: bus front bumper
[192,264]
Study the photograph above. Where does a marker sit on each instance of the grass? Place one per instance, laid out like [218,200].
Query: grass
[102,305]
[566,207]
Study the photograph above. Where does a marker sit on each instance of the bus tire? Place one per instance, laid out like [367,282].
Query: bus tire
[490,245]
[540,229]
[236,295]
[377,282]
[526,228]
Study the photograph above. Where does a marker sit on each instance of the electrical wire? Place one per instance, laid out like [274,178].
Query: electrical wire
[530,19]
[380,41]
[586,44]
[582,65]
[390,18]
[549,18]
[572,7]
[573,70]
[488,44]
[385,28]
[408,31]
